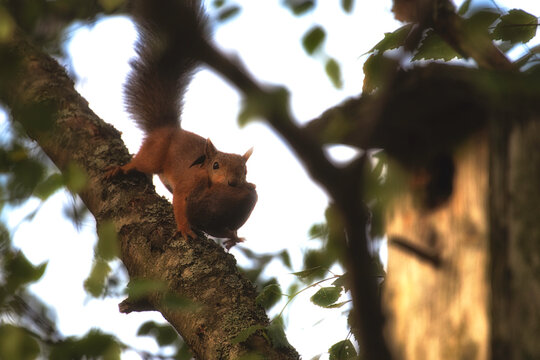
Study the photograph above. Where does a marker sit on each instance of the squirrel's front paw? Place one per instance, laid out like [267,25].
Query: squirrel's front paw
[185,231]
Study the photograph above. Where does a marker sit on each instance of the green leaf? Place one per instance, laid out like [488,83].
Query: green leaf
[326,296]
[376,70]
[218,3]
[38,116]
[166,335]
[228,13]
[7,25]
[480,21]
[308,273]
[313,39]
[319,261]
[246,333]
[94,345]
[15,343]
[139,288]
[163,333]
[20,271]
[300,8]
[107,245]
[342,280]
[378,210]
[5,240]
[347,5]
[337,305]
[111,5]
[147,328]
[531,54]
[254,106]
[184,353]
[27,174]
[477,27]
[49,186]
[75,178]
[334,73]
[433,47]
[177,302]
[293,289]
[318,231]
[517,26]
[269,296]
[464,7]
[343,350]
[95,283]
[393,40]
[285,258]
[276,334]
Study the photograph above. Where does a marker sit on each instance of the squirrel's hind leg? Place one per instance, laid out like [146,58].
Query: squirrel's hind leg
[179,207]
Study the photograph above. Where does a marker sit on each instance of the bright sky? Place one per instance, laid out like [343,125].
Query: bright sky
[267,39]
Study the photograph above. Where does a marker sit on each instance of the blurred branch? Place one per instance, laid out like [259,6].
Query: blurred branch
[342,184]
[429,107]
[45,21]
[441,16]
[422,254]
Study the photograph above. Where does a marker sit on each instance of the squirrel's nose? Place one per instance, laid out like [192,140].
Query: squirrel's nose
[233,183]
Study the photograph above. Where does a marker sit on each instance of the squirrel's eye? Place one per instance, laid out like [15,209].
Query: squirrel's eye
[215,166]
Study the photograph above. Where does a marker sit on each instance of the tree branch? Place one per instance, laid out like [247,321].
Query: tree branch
[428,107]
[342,184]
[42,98]
[441,16]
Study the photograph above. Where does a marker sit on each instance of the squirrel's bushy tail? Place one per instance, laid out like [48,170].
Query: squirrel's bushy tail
[170,33]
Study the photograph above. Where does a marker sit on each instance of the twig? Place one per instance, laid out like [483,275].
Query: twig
[422,254]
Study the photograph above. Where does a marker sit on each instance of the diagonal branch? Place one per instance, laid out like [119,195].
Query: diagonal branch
[42,98]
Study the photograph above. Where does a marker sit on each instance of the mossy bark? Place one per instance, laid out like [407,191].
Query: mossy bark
[37,91]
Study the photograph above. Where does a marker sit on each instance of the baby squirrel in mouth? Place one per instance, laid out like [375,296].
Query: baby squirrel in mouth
[209,187]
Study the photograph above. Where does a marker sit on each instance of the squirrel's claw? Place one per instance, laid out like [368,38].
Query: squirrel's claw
[233,241]
[112,171]
[185,232]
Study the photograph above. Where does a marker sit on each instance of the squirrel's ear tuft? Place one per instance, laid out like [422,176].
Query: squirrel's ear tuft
[248,154]
[210,150]
[199,161]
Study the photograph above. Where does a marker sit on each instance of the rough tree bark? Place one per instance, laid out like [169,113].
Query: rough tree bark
[463,278]
[515,238]
[436,292]
[463,271]
[37,91]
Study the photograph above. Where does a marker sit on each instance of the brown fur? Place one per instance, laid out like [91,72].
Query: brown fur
[171,153]
[211,183]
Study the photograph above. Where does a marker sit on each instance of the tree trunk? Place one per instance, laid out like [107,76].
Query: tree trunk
[515,240]
[436,295]
[463,279]
[42,98]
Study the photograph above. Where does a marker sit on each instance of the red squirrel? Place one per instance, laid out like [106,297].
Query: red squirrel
[209,187]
